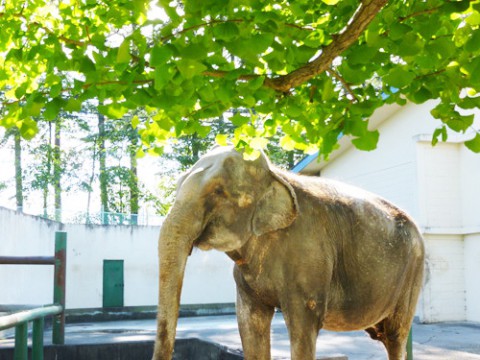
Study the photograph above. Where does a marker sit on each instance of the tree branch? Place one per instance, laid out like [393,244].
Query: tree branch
[344,84]
[361,19]
[419,13]
[364,15]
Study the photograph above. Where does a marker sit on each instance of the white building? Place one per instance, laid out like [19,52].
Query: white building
[439,186]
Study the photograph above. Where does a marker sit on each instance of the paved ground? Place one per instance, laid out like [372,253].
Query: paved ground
[452,341]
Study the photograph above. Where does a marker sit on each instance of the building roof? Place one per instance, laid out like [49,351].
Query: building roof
[313,164]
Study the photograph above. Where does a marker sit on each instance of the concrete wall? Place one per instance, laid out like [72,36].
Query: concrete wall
[472,271]
[444,291]
[390,170]
[208,275]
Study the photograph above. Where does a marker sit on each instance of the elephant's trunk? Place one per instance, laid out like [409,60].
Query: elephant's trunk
[174,248]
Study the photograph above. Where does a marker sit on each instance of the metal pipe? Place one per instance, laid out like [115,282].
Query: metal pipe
[21,341]
[8,321]
[27,260]
[59,287]
[37,338]
[410,346]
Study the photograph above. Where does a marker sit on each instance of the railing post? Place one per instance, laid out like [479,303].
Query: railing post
[21,341]
[410,345]
[58,333]
[37,338]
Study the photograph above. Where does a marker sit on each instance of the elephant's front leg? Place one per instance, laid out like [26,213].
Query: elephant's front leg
[254,321]
[304,319]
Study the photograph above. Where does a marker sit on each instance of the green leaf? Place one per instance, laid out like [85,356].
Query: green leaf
[473,44]
[356,126]
[113,111]
[73,105]
[226,31]
[221,139]
[367,142]
[162,76]
[135,121]
[315,39]
[140,153]
[439,132]
[28,128]
[399,77]
[453,119]
[287,143]
[420,96]
[474,144]
[362,54]
[34,105]
[258,143]
[123,55]
[190,68]
[52,109]
[460,123]
[160,55]
[203,131]
[256,83]
[331,2]
[239,120]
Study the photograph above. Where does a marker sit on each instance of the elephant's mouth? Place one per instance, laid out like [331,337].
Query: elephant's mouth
[202,241]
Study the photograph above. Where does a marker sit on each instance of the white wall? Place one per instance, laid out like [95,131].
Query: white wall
[439,178]
[472,271]
[444,290]
[208,276]
[470,188]
[390,170]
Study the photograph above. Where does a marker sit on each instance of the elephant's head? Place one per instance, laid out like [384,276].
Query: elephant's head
[221,203]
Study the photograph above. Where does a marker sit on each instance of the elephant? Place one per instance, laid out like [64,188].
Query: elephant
[327,254]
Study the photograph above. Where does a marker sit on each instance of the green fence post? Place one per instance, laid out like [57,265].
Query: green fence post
[21,341]
[58,331]
[37,338]
[410,346]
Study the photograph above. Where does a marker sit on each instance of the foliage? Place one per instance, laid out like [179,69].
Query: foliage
[314,70]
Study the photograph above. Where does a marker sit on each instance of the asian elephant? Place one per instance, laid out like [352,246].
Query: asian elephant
[327,254]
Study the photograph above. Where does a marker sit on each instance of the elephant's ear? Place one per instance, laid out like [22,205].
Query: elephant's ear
[277,208]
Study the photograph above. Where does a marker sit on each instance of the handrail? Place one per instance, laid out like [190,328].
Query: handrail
[11,320]
[30,260]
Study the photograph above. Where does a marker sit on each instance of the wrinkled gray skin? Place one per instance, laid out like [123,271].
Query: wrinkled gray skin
[328,255]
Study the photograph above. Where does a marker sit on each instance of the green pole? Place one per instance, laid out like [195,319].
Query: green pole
[37,338]
[21,341]
[59,286]
[410,346]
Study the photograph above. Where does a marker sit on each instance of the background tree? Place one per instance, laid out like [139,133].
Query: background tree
[14,133]
[18,170]
[314,70]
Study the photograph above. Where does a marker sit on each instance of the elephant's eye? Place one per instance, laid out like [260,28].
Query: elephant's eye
[219,190]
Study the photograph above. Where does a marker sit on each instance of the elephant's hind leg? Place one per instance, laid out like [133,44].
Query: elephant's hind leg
[393,335]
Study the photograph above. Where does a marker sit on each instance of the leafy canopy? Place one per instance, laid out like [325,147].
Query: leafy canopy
[315,70]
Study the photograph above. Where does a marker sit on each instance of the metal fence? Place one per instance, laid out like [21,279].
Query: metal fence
[20,320]
[96,218]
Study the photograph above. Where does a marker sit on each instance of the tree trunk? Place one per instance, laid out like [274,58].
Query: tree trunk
[18,172]
[57,171]
[103,177]
[134,190]
[90,181]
